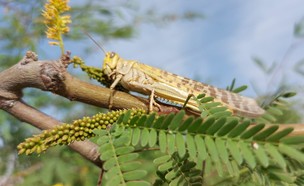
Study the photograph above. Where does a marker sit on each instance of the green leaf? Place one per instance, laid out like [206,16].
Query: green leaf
[204,113]
[200,96]
[162,141]
[180,144]
[138,183]
[276,156]
[235,168]
[103,140]
[239,129]
[144,137]
[162,159]
[222,149]
[293,140]
[128,166]
[261,155]
[115,180]
[212,149]
[266,133]
[289,178]
[166,166]
[124,150]
[291,152]
[105,147]
[247,154]
[107,155]
[134,175]
[216,126]
[120,119]
[158,123]
[122,140]
[171,174]
[150,120]
[222,114]
[269,117]
[100,132]
[109,164]
[113,172]
[277,136]
[240,89]
[191,146]
[201,147]
[195,125]
[178,181]
[252,131]
[227,128]
[187,166]
[186,124]
[206,125]
[152,137]
[206,99]
[127,157]
[217,109]
[134,120]
[211,105]
[289,94]
[219,168]
[176,121]
[167,121]
[136,136]
[142,120]
[275,111]
[127,116]
[170,143]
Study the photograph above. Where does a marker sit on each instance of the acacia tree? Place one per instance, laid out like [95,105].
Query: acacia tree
[213,147]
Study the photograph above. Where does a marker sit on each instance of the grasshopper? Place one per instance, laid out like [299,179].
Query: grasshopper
[138,77]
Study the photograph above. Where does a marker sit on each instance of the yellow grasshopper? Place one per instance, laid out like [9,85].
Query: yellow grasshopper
[138,77]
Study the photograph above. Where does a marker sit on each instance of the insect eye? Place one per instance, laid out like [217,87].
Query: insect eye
[112,54]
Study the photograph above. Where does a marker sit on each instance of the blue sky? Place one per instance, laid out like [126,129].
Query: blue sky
[221,46]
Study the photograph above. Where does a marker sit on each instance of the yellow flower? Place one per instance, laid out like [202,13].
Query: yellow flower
[57,24]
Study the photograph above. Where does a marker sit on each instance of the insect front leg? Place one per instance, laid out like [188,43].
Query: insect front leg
[116,81]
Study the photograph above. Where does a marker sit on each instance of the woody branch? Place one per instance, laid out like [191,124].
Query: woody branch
[52,76]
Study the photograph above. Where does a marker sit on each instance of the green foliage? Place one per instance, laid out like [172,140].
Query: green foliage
[120,160]
[216,143]
[174,170]
[236,90]
[276,108]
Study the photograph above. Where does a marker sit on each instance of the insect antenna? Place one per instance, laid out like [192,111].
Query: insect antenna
[99,46]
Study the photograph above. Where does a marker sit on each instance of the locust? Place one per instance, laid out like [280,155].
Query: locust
[148,80]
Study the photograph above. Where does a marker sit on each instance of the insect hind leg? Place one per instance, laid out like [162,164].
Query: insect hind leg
[153,102]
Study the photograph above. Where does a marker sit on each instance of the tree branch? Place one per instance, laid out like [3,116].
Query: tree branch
[52,76]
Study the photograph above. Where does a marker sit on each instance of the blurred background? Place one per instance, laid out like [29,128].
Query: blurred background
[259,43]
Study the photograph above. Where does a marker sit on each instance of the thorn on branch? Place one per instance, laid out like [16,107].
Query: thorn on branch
[29,57]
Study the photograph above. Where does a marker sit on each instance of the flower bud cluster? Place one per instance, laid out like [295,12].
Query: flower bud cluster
[65,134]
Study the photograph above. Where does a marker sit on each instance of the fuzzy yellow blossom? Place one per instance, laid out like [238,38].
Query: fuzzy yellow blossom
[57,24]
